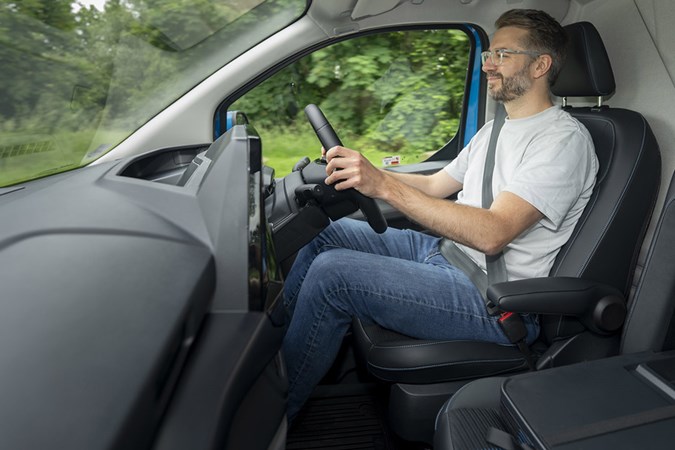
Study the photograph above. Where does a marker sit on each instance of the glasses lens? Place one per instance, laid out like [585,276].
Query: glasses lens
[498,57]
[484,56]
[495,57]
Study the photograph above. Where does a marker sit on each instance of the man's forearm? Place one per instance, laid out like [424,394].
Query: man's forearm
[486,230]
[439,215]
[439,184]
[415,180]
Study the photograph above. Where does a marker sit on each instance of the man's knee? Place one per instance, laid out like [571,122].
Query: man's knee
[331,271]
[323,266]
[347,229]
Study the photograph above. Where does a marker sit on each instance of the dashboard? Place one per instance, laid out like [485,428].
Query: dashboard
[124,285]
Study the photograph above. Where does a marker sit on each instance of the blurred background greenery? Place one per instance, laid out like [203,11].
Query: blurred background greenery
[76,81]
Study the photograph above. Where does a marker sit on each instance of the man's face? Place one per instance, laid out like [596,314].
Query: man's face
[512,79]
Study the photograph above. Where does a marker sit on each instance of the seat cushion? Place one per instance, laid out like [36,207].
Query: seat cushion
[395,357]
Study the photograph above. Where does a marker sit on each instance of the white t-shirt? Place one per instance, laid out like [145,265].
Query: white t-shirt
[548,160]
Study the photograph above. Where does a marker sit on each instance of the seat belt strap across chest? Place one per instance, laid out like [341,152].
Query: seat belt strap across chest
[496,267]
[512,324]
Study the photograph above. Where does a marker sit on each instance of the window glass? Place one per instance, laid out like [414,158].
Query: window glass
[79,76]
[396,97]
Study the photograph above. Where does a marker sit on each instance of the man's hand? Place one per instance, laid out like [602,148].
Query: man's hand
[348,168]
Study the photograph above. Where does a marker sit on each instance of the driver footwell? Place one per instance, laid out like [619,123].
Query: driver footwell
[344,417]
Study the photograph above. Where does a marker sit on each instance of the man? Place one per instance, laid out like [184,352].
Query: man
[544,173]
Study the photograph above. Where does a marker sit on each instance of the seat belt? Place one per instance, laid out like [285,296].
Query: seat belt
[496,268]
[495,265]
[512,324]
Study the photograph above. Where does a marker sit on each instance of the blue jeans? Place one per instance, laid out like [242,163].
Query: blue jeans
[397,279]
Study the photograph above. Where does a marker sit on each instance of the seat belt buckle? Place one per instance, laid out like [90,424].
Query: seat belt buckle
[513,326]
[492,309]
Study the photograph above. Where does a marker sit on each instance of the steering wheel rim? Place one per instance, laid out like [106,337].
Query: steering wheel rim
[329,139]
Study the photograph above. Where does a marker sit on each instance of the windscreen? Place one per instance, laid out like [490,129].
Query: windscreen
[78,77]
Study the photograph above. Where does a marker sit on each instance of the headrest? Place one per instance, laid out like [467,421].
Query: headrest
[587,71]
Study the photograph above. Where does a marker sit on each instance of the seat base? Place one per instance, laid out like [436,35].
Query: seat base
[480,402]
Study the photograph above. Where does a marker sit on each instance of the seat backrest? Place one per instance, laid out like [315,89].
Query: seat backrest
[606,241]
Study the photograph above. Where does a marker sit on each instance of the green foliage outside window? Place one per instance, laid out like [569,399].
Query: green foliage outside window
[389,94]
[76,81]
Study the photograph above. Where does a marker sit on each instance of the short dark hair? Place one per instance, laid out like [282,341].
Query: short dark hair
[545,35]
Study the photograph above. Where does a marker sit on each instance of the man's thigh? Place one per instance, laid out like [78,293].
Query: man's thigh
[430,299]
[357,235]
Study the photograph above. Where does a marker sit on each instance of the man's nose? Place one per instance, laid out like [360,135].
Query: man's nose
[488,66]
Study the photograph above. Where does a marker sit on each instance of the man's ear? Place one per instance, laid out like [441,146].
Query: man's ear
[542,65]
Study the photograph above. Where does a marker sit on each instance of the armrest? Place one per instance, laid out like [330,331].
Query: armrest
[600,307]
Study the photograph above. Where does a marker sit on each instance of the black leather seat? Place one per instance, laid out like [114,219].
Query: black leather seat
[603,248]
[650,326]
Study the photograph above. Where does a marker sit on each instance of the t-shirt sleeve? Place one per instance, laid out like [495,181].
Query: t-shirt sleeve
[458,166]
[554,173]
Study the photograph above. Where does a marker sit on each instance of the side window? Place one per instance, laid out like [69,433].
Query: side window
[397,97]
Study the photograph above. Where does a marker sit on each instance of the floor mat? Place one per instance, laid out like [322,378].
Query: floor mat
[345,423]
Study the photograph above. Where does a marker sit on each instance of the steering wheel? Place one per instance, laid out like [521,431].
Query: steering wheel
[326,134]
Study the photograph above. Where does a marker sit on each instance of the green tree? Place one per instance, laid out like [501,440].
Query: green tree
[394,92]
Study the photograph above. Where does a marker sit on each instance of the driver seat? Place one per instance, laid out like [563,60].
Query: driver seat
[603,248]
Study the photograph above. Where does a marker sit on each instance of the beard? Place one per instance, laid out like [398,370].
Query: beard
[513,87]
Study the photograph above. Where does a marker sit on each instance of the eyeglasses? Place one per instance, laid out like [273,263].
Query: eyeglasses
[497,56]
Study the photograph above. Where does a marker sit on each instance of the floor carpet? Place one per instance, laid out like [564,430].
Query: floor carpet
[345,422]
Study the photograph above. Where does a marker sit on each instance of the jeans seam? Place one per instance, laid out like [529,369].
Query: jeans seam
[431,255]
